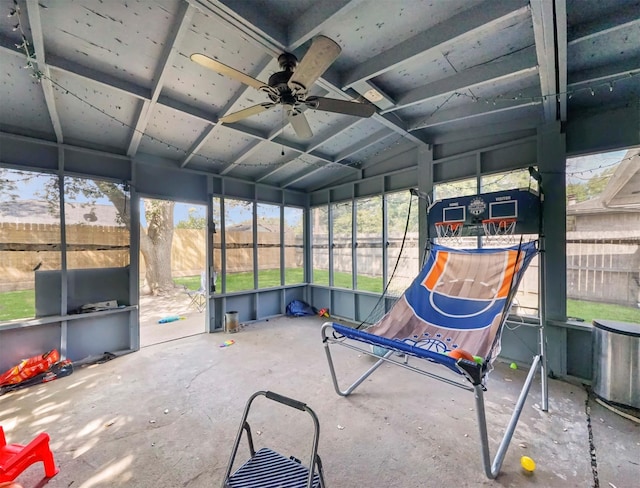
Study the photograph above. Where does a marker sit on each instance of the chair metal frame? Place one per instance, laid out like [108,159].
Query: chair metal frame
[473,384]
[199,297]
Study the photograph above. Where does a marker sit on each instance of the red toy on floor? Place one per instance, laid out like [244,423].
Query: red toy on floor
[15,458]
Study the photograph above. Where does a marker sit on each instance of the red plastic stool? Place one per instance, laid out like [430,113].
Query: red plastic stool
[15,458]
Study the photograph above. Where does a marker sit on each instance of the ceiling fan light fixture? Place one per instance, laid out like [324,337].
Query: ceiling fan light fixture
[373,95]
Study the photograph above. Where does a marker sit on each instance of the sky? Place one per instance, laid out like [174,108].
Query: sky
[582,168]
[579,169]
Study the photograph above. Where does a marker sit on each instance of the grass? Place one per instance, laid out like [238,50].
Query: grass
[17,304]
[593,310]
[21,304]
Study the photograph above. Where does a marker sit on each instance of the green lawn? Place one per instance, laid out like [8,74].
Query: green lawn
[17,304]
[21,304]
[593,310]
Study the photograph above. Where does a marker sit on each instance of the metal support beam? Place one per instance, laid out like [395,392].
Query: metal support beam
[33,11]
[471,23]
[182,21]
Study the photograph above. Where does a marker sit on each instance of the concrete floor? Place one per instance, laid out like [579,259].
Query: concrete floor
[179,304]
[166,416]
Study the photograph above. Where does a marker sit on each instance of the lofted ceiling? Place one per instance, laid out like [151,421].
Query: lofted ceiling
[116,75]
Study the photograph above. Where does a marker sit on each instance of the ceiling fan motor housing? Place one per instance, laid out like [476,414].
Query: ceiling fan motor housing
[279,81]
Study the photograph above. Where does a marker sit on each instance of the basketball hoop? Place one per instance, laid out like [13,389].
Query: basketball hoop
[449,230]
[499,231]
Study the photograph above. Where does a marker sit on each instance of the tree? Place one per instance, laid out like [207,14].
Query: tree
[193,221]
[590,188]
[155,239]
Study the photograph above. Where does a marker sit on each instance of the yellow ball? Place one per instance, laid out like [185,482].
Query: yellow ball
[528,464]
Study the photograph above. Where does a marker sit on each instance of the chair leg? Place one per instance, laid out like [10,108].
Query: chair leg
[50,468]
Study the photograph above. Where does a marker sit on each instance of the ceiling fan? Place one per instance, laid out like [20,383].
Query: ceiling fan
[290,87]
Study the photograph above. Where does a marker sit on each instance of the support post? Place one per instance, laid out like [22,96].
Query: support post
[492,469]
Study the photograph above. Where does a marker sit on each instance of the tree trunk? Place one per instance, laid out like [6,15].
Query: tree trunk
[155,245]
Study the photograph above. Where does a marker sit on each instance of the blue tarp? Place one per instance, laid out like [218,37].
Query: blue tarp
[298,308]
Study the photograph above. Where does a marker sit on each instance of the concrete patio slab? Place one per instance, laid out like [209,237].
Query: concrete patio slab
[166,416]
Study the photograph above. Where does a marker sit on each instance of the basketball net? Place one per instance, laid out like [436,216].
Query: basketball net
[450,230]
[499,232]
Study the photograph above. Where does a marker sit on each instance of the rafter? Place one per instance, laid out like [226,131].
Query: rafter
[271,46]
[335,133]
[511,67]
[471,23]
[304,175]
[530,97]
[561,46]
[313,21]
[33,11]
[363,144]
[206,133]
[620,19]
[542,13]
[603,74]
[183,18]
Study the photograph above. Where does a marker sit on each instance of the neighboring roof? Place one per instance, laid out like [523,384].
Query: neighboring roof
[39,212]
[621,193]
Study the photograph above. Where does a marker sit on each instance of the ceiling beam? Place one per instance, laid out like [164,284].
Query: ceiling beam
[198,144]
[312,147]
[206,133]
[484,17]
[284,164]
[561,46]
[486,130]
[363,144]
[33,11]
[619,19]
[511,67]
[304,175]
[244,154]
[184,109]
[313,21]
[180,25]
[542,13]
[528,98]
[274,48]
[333,182]
[65,66]
[264,34]
[603,74]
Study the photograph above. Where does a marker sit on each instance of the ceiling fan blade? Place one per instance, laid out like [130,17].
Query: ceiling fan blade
[299,122]
[246,112]
[321,54]
[341,106]
[223,69]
